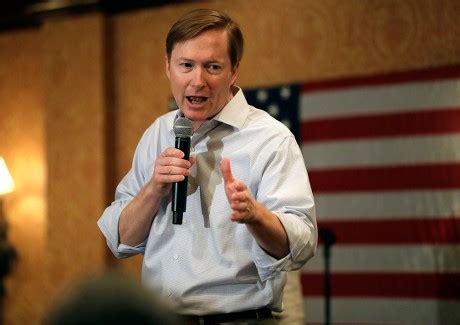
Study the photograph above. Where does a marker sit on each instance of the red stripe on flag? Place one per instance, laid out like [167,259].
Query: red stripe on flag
[385,285]
[432,74]
[437,121]
[408,177]
[395,232]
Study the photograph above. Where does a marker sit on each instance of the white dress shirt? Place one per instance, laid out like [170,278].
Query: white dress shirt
[210,264]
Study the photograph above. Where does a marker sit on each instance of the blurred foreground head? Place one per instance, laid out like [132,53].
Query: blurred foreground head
[112,299]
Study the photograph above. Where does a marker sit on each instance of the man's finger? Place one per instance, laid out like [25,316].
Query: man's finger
[172,152]
[226,170]
[192,160]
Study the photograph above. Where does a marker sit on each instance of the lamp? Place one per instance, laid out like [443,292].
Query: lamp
[6,181]
[6,184]
[7,252]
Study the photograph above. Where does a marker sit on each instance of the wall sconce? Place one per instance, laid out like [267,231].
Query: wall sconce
[7,252]
[6,181]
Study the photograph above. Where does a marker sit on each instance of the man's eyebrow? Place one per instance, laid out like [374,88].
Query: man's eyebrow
[183,59]
[208,62]
[214,61]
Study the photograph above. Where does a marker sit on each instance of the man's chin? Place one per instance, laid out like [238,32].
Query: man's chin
[194,115]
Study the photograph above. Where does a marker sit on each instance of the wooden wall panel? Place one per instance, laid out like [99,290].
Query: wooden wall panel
[75,111]
[22,138]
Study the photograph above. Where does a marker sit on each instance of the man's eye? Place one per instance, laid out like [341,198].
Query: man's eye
[214,67]
[186,65]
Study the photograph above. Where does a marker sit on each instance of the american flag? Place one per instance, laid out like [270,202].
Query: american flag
[383,156]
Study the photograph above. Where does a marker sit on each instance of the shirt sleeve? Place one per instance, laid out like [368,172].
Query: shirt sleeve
[285,190]
[128,188]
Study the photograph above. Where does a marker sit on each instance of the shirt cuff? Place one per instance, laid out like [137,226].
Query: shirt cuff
[108,224]
[131,250]
[302,246]
[267,266]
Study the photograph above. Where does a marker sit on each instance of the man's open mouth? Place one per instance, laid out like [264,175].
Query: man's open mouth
[196,99]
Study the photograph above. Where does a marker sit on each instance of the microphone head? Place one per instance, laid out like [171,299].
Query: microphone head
[183,127]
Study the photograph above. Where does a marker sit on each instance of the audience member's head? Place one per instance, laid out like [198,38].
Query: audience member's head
[113,298]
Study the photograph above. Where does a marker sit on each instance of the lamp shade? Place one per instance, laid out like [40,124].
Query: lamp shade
[6,181]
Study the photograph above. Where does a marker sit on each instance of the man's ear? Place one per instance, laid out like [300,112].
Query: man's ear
[235,71]
[167,65]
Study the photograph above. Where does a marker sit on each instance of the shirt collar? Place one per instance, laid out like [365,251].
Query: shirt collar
[236,111]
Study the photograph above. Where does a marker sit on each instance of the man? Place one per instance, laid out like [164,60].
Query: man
[250,211]
[109,298]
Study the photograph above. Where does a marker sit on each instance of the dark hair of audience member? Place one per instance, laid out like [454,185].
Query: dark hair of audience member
[113,298]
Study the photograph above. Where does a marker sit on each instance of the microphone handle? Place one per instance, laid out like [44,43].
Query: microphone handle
[179,190]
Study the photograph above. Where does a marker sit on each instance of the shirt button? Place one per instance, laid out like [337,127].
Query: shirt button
[175,257]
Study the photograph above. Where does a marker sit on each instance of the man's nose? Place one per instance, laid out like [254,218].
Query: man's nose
[198,78]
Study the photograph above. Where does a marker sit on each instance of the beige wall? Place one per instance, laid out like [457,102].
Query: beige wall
[75,127]
[22,138]
[77,93]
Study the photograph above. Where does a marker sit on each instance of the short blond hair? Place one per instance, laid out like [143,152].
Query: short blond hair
[197,21]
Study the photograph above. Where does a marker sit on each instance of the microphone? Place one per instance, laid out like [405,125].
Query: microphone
[183,130]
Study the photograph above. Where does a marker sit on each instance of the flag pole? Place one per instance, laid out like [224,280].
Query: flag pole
[328,238]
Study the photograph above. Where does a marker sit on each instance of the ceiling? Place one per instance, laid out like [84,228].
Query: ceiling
[19,14]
